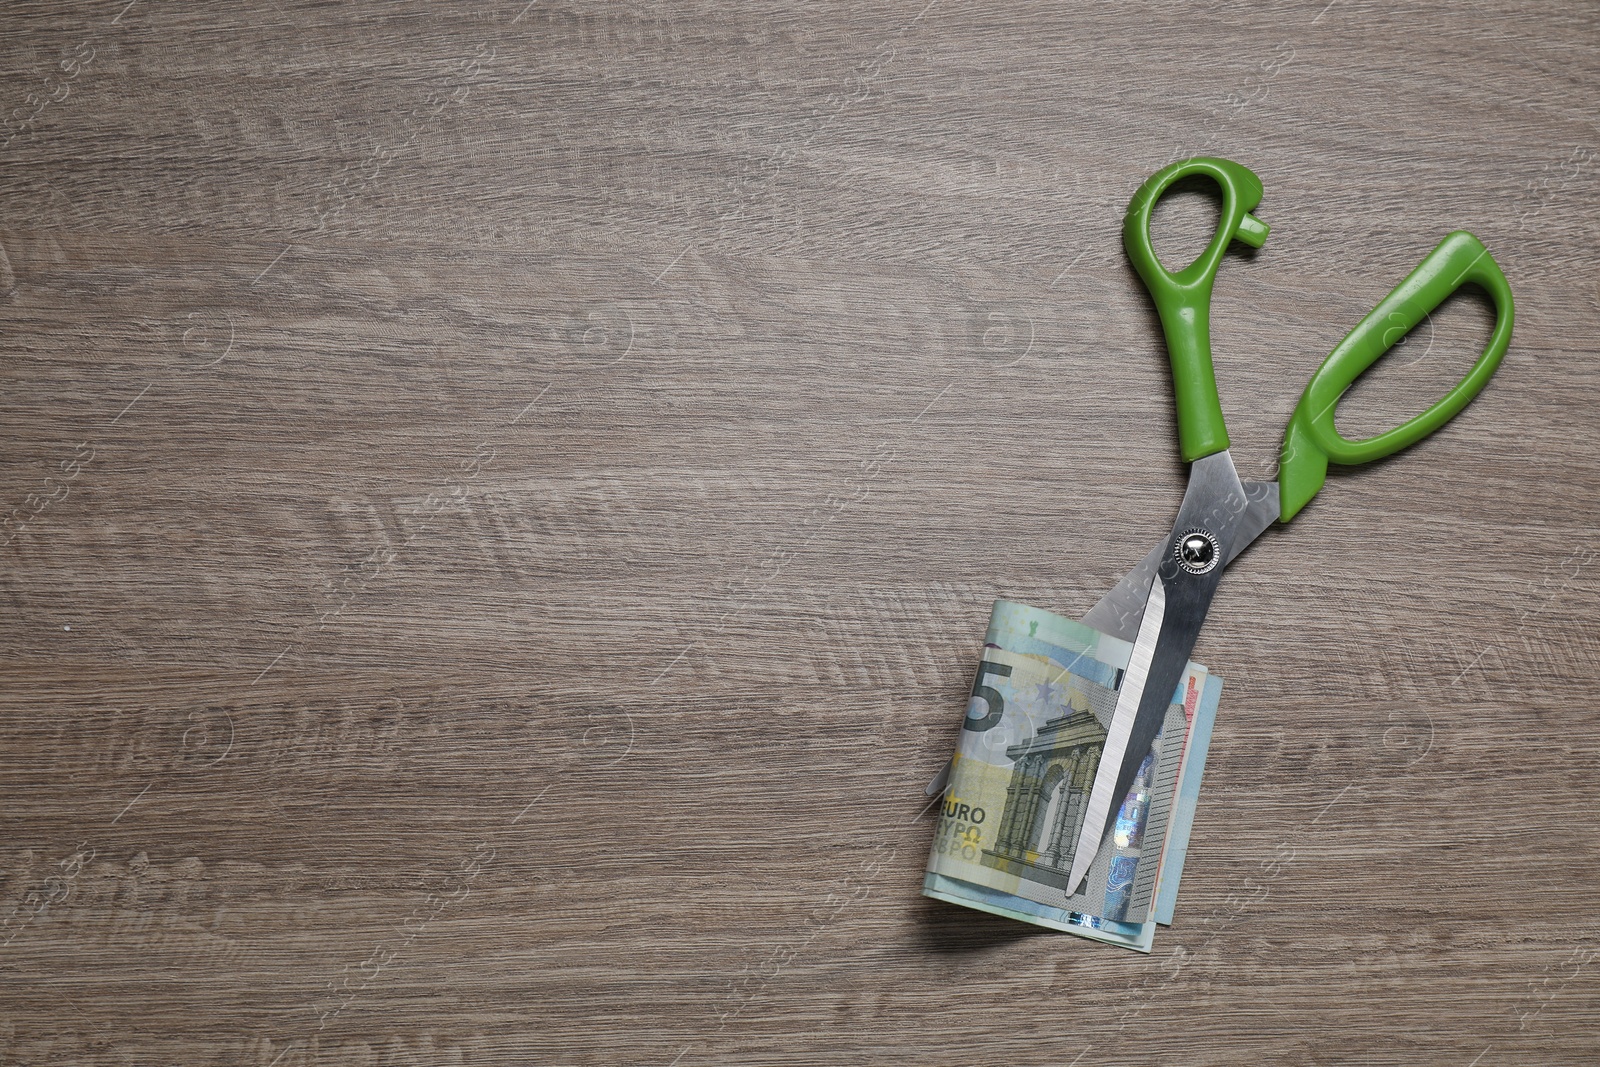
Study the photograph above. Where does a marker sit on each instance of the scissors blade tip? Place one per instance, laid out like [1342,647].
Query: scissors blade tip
[1080,870]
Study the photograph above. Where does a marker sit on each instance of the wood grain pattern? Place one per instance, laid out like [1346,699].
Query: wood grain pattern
[504,500]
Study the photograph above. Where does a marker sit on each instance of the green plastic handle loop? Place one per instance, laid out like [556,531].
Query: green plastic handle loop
[1312,442]
[1184,299]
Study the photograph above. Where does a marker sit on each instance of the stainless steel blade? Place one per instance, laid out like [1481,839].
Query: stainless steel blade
[1261,511]
[1216,506]
[1124,720]
[1119,610]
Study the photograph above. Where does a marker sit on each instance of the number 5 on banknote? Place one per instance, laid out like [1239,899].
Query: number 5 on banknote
[992,700]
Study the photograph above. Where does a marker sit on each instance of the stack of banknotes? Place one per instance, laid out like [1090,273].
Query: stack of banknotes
[1019,782]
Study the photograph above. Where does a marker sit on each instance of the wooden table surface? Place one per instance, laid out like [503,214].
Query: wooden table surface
[504,499]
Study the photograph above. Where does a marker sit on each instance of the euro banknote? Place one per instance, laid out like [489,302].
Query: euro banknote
[1018,786]
[1139,936]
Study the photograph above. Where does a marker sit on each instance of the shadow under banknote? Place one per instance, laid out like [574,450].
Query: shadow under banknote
[949,929]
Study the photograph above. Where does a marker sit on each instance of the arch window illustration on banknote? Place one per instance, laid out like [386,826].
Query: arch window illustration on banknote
[1051,775]
[1030,745]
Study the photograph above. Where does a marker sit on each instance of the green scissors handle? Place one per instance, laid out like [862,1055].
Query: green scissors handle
[1312,441]
[1184,299]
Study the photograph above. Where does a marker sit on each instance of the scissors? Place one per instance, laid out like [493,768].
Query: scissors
[1162,603]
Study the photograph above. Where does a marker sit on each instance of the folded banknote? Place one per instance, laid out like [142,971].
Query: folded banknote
[1019,784]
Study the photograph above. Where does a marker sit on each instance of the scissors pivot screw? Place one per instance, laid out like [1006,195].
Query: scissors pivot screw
[1197,551]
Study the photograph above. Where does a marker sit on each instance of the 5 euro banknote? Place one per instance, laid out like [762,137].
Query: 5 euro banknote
[1018,787]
